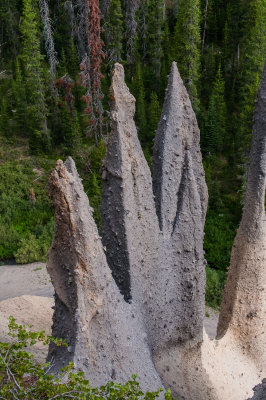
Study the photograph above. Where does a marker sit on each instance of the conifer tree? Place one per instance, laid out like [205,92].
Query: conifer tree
[131,29]
[4,118]
[214,133]
[91,70]
[151,36]
[114,32]
[139,93]
[252,58]
[34,84]
[20,99]
[166,57]
[9,33]
[186,46]
[154,113]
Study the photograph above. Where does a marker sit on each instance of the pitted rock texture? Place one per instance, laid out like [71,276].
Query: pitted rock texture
[154,243]
[141,255]
[129,223]
[181,199]
[244,302]
[177,133]
[90,313]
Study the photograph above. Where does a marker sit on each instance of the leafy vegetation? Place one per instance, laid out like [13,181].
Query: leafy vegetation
[26,215]
[22,378]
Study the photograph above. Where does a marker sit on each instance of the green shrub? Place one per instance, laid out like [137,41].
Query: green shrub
[220,232]
[215,281]
[21,378]
[28,250]
[25,225]
[35,247]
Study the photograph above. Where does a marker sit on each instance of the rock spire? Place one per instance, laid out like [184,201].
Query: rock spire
[243,309]
[133,300]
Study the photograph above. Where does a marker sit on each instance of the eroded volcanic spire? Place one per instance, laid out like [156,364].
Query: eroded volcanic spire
[177,132]
[129,221]
[181,201]
[243,311]
[90,313]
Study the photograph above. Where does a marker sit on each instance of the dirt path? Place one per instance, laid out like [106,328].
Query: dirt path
[19,280]
[26,292]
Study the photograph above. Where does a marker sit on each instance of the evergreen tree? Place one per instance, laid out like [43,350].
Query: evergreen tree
[91,71]
[20,99]
[186,46]
[151,22]
[139,93]
[131,29]
[154,37]
[34,85]
[166,58]
[154,112]
[114,32]
[9,33]
[208,72]
[4,118]
[252,60]
[215,126]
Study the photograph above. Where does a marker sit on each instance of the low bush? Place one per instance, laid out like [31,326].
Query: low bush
[22,379]
[26,215]
[215,281]
[220,232]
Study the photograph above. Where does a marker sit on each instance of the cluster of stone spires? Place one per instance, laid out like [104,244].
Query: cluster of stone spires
[132,301]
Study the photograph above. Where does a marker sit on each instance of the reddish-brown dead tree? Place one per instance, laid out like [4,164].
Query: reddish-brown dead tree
[90,68]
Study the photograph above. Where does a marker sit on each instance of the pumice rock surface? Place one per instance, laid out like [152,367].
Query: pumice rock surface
[105,334]
[133,300]
[243,310]
[139,251]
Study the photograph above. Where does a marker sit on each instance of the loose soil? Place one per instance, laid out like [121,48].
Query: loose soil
[26,293]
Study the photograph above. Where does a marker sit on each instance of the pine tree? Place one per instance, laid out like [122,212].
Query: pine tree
[209,134]
[114,32]
[9,32]
[66,130]
[4,118]
[208,72]
[20,99]
[154,112]
[166,57]
[252,60]
[150,39]
[186,46]
[139,93]
[215,126]
[131,29]
[91,70]
[34,85]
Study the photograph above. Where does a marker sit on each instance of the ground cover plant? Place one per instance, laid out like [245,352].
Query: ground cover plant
[22,378]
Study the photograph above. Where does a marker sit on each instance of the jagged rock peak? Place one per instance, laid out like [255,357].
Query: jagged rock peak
[243,307]
[253,220]
[129,221]
[177,132]
[99,326]
[122,101]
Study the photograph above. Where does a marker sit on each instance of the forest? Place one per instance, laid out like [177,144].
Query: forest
[56,59]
